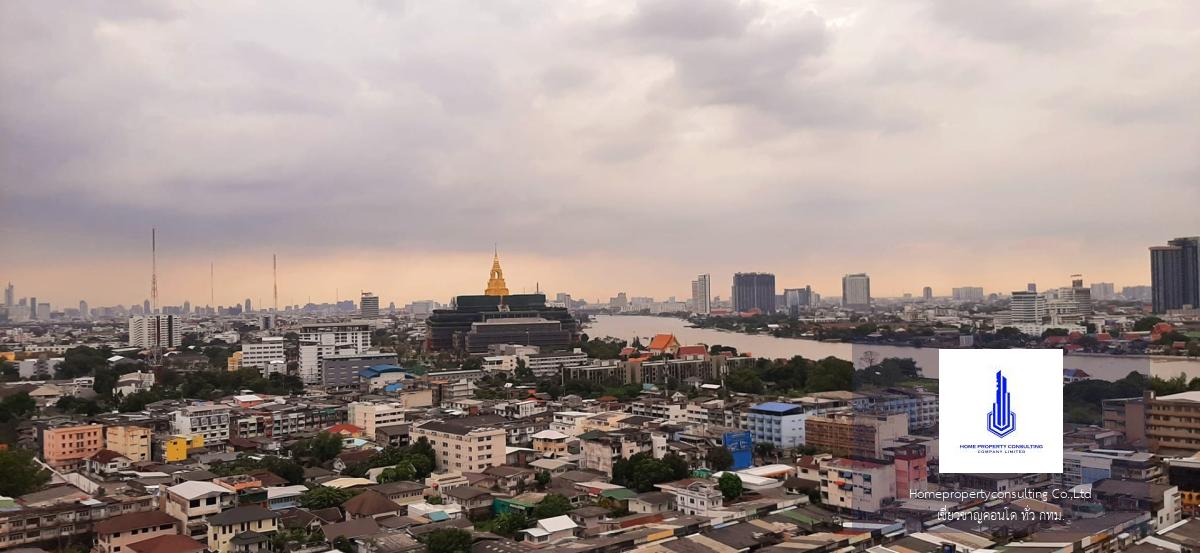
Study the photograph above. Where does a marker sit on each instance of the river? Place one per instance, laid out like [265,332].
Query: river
[1107,367]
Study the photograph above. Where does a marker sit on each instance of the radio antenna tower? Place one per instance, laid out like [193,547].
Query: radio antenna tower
[212,286]
[155,351]
[275,281]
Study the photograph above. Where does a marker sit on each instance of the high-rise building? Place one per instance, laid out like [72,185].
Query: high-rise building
[83,309]
[754,291]
[1027,308]
[1103,291]
[144,330]
[967,293]
[1136,293]
[927,293]
[1175,274]
[249,307]
[369,305]
[702,294]
[187,307]
[796,299]
[146,307]
[856,291]
[318,340]
[1031,287]
[9,295]
[33,308]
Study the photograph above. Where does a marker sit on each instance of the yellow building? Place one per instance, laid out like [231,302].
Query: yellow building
[8,355]
[176,448]
[130,441]
[234,363]
[245,528]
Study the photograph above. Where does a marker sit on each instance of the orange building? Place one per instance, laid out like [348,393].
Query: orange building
[66,447]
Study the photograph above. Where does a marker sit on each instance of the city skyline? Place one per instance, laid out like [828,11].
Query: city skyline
[607,147]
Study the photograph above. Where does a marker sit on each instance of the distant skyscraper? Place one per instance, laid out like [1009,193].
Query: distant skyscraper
[856,291]
[369,305]
[187,307]
[146,307]
[83,309]
[1136,293]
[9,295]
[927,293]
[1027,308]
[1076,281]
[144,330]
[1175,274]
[967,293]
[33,307]
[248,306]
[702,294]
[1031,287]
[1103,291]
[754,291]
[796,299]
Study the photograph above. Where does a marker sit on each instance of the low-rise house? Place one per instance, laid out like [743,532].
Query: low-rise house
[242,529]
[170,543]
[191,503]
[284,497]
[511,479]
[113,535]
[551,530]
[694,496]
[370,504]
[652,502]
[401,492]
[477,502]
[107,461]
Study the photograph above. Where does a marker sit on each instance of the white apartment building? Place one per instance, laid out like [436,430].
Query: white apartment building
[859,486]
[659,409]
[369,416]
[551,364]
[694,496]
[268,355]
[856,290]
[702,294]
[208,420]
[144,330]
[571,423]
[318,340]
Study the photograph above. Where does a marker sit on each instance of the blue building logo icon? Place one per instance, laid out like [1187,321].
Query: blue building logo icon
[1001,420]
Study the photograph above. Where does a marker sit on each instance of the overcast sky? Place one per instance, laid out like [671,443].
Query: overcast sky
[604,145]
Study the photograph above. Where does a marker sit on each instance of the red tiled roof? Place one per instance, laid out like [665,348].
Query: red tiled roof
[663,341]
[133,521]
[172,543]
[692,350]
[344,427]
[105,456]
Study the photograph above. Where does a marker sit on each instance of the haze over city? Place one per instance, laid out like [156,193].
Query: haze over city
[616,146]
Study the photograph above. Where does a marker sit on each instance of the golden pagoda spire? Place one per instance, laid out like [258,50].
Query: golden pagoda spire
[495,285]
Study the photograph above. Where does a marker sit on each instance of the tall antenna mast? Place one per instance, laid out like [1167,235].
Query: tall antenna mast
[212,287]
[275,280]
[155,351]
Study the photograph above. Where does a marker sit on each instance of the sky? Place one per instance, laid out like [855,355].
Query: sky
[601,146]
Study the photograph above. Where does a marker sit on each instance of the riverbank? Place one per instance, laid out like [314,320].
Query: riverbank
[1101,366]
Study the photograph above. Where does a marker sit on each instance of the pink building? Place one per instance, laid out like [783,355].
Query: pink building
[67,447]
[912,469]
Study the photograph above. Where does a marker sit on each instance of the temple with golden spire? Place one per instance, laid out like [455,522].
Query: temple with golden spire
[495,285]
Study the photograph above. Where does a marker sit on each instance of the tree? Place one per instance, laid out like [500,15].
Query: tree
[508,524]
[321,448]
[552,505]
[830,374]
[542,478]
[448,540]
[17,406]
[82,361]
[341,543]
[678,465]
[21,473]
[323,497]
[719,458]
[731,485]
[744,380]
[9,372]
[1146,323]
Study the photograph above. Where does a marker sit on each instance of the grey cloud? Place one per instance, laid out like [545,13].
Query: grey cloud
[1023,23]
